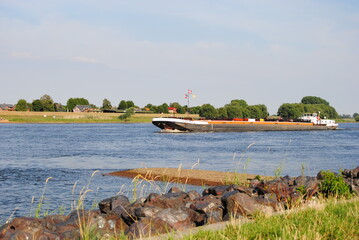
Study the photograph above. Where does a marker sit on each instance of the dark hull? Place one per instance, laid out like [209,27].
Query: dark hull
[188,127]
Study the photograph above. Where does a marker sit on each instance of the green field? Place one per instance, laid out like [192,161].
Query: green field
[70,117]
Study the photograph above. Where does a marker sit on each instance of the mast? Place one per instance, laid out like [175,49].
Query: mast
[187,95]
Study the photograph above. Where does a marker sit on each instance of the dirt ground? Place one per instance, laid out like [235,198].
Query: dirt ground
[187,176]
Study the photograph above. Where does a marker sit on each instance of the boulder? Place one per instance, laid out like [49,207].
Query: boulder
[149,211]
[129,212]
[108,204]
[193,195]
[147,227]
[178,219]
[169,200]
[351,173]
[211,206]
[238,204]
[219,190]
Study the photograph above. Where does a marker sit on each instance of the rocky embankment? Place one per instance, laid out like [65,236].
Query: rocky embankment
[175,210]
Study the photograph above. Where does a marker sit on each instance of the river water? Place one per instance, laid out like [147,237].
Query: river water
[69,154]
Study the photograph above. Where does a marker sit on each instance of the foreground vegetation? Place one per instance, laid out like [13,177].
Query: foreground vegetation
[329,215]
[336,220]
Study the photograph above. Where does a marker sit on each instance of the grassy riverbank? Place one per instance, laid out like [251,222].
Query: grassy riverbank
[71,117]
[329,220]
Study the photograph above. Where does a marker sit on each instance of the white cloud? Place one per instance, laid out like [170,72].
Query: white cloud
[24,55]
[84,59]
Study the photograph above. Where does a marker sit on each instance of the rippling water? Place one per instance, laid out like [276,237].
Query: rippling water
[70,153]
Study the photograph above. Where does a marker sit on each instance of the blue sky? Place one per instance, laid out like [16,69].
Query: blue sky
[265,52]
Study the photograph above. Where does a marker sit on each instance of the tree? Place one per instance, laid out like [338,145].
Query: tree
[178,107]
[59,107]
[355,115]
[37,106]
[72,102]
[239,102]
[222,113]
[254,112]
[130,104]
[291,110]
[149,105]
[314,100]
[47,103]
[122,105]
[193,110]
[162,108]
[208,111]
[357,118]
[175,105]
[234,111]
[106,104]
[125,116]
[22,105]
[325,110]
[264,110]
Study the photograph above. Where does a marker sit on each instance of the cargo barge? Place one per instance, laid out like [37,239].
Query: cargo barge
[307,122]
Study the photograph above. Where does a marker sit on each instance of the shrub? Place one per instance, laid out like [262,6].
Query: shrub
[334,185]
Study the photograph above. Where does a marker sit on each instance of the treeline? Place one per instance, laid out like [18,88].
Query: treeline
[237,108]
[240,109]
[309,104]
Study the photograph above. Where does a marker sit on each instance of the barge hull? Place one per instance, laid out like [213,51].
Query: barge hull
[240,126]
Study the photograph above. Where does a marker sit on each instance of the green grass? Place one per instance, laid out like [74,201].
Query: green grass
[63,117]
[345,120]
[335,221]
[81,119]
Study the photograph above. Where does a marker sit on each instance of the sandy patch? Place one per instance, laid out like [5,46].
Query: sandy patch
[187,176]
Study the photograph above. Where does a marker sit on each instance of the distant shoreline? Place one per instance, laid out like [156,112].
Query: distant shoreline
[72,117]
[90,117]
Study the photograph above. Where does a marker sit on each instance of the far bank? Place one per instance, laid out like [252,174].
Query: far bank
[83,117]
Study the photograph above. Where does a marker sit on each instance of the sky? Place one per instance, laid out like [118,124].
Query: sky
[263,51]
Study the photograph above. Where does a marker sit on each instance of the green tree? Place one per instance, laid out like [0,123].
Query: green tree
[175,105]
[314,100]
[122,105]
[178,107]
[355,115]
[72,102]
[264,112]
[149,106]
[324,110]
[47,103]
[106,104]
[254,112]
[222,113]
[291,110]
[128,113]
[192,110]
[208,111]
[130,104]
[239,102]
[234,111]
[162,108]
[37,106]
[22,105]
[357,118]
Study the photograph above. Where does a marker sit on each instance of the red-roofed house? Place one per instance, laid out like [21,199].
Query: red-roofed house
[172,110]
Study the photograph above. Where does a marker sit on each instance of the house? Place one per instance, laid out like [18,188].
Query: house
[172,110]
[83,108]
[7,107]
